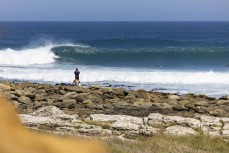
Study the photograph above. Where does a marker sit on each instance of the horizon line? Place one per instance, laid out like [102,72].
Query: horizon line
[114,21]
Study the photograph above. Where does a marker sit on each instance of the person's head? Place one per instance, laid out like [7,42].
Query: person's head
[77,69]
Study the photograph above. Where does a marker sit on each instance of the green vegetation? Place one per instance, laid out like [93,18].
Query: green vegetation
[103,125]
[170,144]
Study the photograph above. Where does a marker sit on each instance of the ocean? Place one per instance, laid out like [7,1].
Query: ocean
[175,57]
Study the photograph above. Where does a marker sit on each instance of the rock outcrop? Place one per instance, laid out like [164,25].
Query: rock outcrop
[53,119]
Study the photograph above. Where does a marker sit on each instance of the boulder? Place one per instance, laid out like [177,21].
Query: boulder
[126,126]
[218,112]
[190,122]
[5,86]
[90,129]
[174,97]
[149,131]
[88,104]
[223,102]
[49,111]
[155,119]
[201,103]
[24,100]
[179,131]
[114,118]
[119,92]
[225,134]
[179,107]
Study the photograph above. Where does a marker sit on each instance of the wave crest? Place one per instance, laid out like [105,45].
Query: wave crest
[39,55]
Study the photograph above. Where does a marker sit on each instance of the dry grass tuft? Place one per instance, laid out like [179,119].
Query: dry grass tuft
[170,144]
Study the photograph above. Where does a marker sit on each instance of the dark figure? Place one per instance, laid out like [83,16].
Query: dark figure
[77,77]
[77,74]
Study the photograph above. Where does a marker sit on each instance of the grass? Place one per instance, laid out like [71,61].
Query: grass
[170,144]
[103,125]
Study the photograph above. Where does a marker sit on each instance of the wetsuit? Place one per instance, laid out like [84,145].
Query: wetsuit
[77,74]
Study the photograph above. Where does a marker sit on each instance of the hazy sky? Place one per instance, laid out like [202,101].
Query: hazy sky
[114,10]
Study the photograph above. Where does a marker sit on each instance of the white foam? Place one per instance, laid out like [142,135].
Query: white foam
[117,75]
[39,55]
[210,83]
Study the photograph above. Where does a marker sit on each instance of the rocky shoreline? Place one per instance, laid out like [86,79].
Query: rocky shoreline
[115,111]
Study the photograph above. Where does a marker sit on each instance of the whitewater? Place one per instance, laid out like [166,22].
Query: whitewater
[41,65]
[178,57]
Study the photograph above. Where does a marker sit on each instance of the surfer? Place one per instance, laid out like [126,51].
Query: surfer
[77,77]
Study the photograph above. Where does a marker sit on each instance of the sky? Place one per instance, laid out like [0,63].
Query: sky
[114,10]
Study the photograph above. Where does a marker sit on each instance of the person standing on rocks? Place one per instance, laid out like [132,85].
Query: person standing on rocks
[77,77]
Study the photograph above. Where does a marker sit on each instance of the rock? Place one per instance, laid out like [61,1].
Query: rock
[162,106]
[90,130]
[177,120]
[209,119]
[94,98]
[67,96]
[192,107]
[223,102]
[5,86]
[218,112]
[95,87]
[183,102]
[179,131]
[212,129]
[62,92]
[142,104]
[81,97]
[30,95]
[119,92]
[12,97]
[88,104]
[106,90]
[127,126]
[225,134]
[141,94]
[149,131]
[24,100]
[179,107]
[114,118]
[201,103]
[155,119]
[68,103]
[44,122]
[174,97]
[49,111]
[106,132]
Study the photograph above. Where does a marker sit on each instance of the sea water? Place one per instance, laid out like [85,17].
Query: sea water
[178,57]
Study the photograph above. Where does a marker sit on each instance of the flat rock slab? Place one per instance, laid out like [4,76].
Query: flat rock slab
[114,118]
[179,131]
